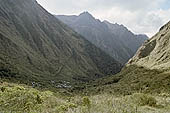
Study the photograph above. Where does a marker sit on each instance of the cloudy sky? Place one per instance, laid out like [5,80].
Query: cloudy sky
[140,16]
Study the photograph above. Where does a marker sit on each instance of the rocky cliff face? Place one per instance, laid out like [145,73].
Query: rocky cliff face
[35,46]
[155,53]
[114,39]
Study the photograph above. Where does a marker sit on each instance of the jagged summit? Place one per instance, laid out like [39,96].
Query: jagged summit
[85,18]
[85,13]
[114,39]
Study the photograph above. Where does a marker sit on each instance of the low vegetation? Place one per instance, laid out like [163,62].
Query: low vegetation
[133,79]
[20,98]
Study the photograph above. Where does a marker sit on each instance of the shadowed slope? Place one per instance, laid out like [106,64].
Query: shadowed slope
[38,47]
[114,39]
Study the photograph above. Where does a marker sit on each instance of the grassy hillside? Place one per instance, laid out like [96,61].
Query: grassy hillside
[133,79]
[36,48]
[148,71]
[155,53]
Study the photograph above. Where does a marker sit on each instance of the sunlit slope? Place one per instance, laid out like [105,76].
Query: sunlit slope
[148,71]
[155,53]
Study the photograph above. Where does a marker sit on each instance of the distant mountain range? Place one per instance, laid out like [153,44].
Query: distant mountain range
[114,39]
[37,47]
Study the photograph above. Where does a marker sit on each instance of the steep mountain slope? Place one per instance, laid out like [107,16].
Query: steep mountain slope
[127,37]
[114,39]
[37,47]
[155,53]
[148,70]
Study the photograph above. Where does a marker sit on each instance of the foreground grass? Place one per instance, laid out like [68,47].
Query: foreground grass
[18,99]
[133,79]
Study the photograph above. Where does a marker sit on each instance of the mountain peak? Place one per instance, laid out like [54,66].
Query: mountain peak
[106,35]
[86,14]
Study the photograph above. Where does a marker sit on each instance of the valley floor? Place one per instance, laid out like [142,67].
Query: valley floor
[16,98]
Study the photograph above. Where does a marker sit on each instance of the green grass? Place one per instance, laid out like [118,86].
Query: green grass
[133,79]
[21,98]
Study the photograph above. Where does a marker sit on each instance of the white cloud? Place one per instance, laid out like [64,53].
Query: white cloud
[140,16]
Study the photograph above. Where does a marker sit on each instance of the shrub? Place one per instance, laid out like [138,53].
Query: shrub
[62,108]
[3,89]
[143,99]
[72,106]
[86,101]
[39,99]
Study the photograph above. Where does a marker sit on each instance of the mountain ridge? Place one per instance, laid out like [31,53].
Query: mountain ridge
[37,47]
[111,38]
[147,72]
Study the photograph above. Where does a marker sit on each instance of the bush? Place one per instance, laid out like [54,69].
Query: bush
[72,106]
[143,99]
[3,89]
[86,101]
[62,108]
[39,99]
[17,98]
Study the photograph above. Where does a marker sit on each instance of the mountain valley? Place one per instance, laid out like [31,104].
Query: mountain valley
[47,67]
